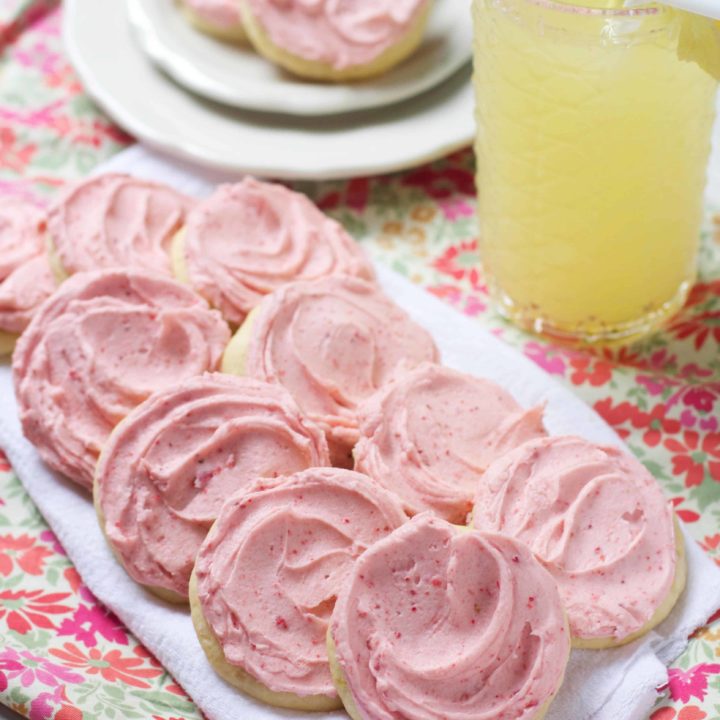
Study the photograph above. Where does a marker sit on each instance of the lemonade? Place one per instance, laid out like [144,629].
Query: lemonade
[594,133]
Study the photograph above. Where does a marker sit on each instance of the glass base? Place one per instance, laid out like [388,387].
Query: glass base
[594,332]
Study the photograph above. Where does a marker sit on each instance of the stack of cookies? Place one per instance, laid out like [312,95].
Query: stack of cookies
[322,40]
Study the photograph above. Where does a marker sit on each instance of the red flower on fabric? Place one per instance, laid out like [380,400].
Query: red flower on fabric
[462,262]
[355,196]
[655,422]
[591,370]
[691,712]
[13,155]
[21,549]
[441,183]
[701,292]
[22,610]
[4,462]
[701,327]
[688,516]
[684,685]
[692,454]
[112,666]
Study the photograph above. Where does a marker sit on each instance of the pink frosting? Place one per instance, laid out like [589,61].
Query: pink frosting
[333,342]
[222,14]
[339,33]
[25,276]
[271,568]
[248,239]
[171,464]
[97,348]
[598,521]
[431,435]
[113,220]
[440,622]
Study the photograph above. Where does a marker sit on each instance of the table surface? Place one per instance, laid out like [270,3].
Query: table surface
[63,656]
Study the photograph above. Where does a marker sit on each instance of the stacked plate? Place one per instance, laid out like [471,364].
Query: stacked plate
[225,107]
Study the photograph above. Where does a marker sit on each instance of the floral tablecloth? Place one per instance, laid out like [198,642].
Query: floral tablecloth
[63,656]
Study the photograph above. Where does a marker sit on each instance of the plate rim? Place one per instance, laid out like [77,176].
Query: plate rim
[201,84]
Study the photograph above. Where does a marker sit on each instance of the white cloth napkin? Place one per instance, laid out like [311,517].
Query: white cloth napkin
[618,684]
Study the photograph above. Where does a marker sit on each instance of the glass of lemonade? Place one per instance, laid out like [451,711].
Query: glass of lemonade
[594,126]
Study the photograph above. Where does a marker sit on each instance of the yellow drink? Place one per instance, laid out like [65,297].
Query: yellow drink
[593,138]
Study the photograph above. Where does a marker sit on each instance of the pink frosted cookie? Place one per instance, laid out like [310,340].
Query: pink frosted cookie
[332,343]
[430,436]
[113,221]
[598,521]
[335,39]
[220,18]
[248,239]
[438,621]
[97,348]
[25,276]
[171,463]
[267,576]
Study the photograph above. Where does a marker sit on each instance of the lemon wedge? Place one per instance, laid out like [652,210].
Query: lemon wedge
[699,42]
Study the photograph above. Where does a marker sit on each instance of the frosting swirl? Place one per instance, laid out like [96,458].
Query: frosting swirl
[248,239]
[597,520]
[431,435]
[339,33]
[440,622]
[97,348]
[332,343]
[25,276]
[171,463]
[273,563]
[115,220]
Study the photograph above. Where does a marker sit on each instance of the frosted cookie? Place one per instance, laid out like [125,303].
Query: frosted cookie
[168,467]
[267,576]
[598,521]
[219,18]
[25,276]
[332,343]
[248,239]
[335,40]
[98,347]
[430,436]
[113,221]
[438,621]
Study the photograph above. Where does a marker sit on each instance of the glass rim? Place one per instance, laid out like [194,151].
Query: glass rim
[648,7]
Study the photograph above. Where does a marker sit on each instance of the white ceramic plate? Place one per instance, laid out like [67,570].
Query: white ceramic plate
[144,101]
[237,76]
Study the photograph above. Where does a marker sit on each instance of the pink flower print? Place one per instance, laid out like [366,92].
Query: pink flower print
[544,357]
[684,685]
[687,419]
[701,398]
[42,706]
[88,621]
[454,208]
[50,538]
[474,306]
[29,668]
[653,386]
